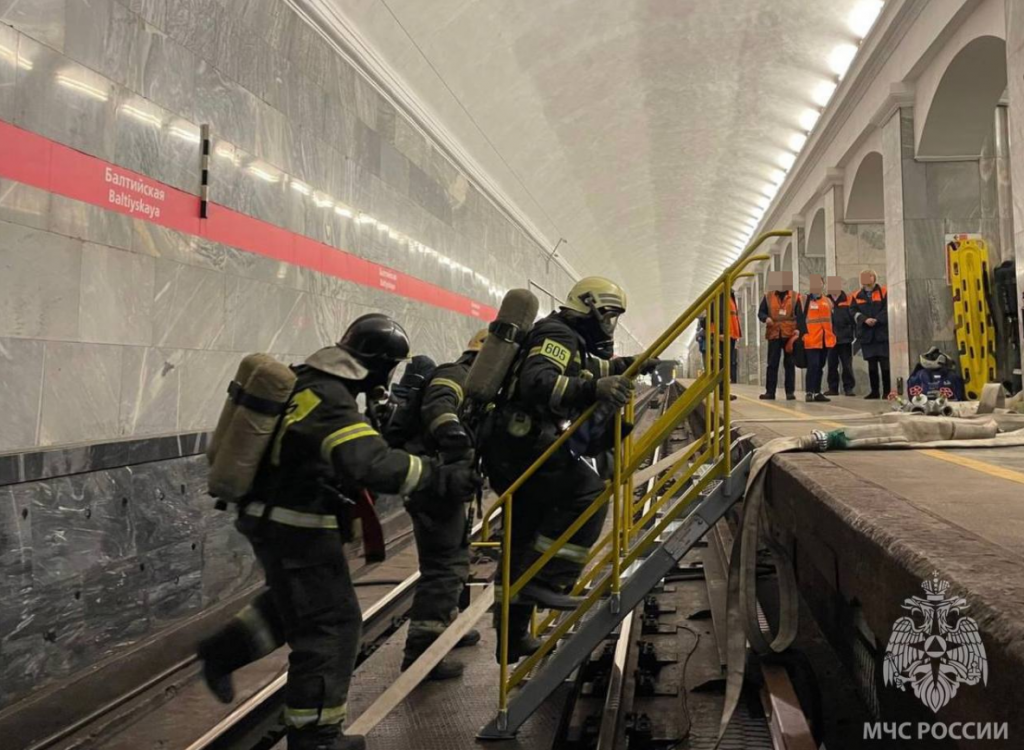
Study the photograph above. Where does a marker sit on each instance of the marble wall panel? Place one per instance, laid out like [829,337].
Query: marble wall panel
[116,609]
[21,362]
[188,309]
[15,545]
[930,322]
[924,245]
[229,109]
[42,20]
[63,100]
[90,223]
[80,523]
[228,563]
[24,204]
[116,297]
[8,70]
[159,506]
[81,393]
[199,25]
[39,283]
[204,380]
[154,142]
[177,588]
[150,388]
[162,70]
[152,11]
[954,189]
[47,640]
[100,34]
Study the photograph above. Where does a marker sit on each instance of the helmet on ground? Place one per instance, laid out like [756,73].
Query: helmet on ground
[377,341]
[476,342]
[599,297]
[934,359]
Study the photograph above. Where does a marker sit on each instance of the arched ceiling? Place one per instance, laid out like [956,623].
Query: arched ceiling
[644,132]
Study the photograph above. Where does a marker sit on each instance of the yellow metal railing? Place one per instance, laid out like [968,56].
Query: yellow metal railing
[634,530]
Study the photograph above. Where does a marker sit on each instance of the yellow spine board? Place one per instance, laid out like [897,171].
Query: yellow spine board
[975,328]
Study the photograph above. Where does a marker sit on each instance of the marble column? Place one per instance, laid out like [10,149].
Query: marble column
[925,201]
[1015,137]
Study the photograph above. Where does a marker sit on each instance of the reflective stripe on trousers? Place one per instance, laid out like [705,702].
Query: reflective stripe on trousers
[568,551]
[306,717]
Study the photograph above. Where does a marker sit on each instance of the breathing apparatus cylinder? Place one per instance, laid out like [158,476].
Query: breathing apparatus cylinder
[505,335]
[250,418]
[242,375]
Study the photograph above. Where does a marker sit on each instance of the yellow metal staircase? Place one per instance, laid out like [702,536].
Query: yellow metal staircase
[628,561]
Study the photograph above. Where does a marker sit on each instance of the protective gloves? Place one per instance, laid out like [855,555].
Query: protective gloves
[452,436]
[614,389]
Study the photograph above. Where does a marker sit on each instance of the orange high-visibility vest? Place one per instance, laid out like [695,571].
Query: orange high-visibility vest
[819,324]
[734,320]
[782,314]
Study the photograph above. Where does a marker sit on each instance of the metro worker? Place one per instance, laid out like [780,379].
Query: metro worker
[778,313]
[871,314]
[440,523]
[297,520]
[845,330]
[814,321]
[562,370]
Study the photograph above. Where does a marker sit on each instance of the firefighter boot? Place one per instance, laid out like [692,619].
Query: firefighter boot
[324,738]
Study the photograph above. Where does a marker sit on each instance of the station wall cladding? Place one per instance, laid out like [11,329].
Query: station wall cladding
[123,316]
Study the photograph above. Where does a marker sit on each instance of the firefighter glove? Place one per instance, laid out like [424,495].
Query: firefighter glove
[614,389]
[452,436]
[456,481]
[649,366]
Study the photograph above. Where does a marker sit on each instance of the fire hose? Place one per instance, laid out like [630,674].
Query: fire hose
[892,431]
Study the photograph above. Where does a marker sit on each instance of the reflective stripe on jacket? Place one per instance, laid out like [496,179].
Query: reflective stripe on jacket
[842,318]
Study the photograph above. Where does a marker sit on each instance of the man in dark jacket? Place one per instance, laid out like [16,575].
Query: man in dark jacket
[844,328]
[297,519]
[778,313]
[871,314]
[440,522]
[558,376]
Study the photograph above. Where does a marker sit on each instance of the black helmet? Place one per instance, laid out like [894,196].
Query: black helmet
[377,341]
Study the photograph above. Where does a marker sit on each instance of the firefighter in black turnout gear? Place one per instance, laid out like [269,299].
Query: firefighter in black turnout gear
[297,518]
[562,370]
[440,522]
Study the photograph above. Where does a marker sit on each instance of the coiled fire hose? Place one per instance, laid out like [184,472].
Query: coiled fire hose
[892,431]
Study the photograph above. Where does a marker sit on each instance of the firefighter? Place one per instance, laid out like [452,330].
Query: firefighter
[298,517]
[440,523]
[841,355]
[814,321]
[558,375]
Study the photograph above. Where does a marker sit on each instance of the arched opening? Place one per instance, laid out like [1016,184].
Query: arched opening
[867,201]
[959,119]
[787,258]
[816,236]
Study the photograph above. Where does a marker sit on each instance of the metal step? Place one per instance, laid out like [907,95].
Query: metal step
[594,629]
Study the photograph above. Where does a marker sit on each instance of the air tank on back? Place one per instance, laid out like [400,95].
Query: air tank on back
[505,335]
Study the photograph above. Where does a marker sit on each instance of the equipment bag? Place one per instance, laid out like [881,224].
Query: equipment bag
[257,397]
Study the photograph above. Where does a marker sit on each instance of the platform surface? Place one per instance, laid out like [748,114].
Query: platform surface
[979,490]
[869,526]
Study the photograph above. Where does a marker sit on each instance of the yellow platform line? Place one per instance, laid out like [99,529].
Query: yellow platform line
[968,463]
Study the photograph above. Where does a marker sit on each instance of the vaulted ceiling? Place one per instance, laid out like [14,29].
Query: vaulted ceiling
[647,133]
